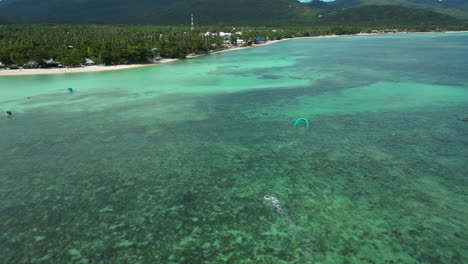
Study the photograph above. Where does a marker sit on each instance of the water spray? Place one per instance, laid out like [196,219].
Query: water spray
[277,205]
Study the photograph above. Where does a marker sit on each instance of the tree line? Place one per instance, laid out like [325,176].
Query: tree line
[110,44]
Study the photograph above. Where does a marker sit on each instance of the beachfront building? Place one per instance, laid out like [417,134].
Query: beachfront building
[240,42]
[31,65]
[2,65]
[260,40]
[386,31]
[207,34]
[238,33]
[50,63]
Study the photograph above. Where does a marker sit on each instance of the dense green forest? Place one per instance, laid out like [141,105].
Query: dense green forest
[383,15]
[105,44]
[227,12]
[455,8]
[160,12]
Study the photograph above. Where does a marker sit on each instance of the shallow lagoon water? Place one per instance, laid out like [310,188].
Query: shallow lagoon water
[170,164]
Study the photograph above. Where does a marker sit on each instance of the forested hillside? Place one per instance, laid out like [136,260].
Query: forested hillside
[456,8]
[162,12]
[385,16]
[77,33]
[209,12]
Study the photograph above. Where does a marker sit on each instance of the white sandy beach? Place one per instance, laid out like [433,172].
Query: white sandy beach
[98,68]
[95,68]
[237,48]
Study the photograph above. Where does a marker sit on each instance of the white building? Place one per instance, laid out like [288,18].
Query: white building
[225,34]
[240,42]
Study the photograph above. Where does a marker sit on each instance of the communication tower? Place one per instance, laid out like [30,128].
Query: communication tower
[192,24]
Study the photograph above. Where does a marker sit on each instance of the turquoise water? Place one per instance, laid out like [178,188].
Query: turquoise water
[170,164]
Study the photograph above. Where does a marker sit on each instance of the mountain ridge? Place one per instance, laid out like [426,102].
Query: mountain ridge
[206,12]
[456,8]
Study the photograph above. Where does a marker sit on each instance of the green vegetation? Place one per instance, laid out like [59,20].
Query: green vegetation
[455,8]
[160,12]
[72,44]
[224,12]
[384,16]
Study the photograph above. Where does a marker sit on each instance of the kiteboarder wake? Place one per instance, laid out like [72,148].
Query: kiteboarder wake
[277,205]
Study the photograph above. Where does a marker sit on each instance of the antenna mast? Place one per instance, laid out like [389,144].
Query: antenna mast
[193,27]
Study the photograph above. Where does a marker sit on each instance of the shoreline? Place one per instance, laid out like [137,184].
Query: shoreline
[94,68]
[101,68]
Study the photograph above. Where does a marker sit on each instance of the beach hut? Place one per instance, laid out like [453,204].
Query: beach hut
[50,63]
[88,62]
[31,65]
